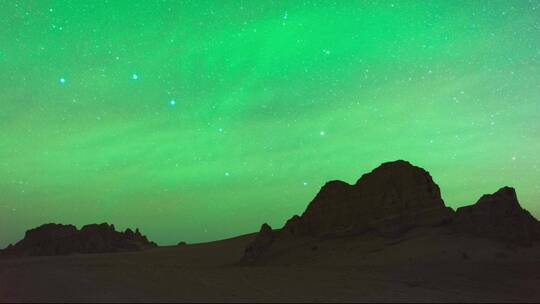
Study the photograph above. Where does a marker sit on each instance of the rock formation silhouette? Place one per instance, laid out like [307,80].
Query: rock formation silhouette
[58,239]
[389,201]
[499,216]
[392,199]
[262,242]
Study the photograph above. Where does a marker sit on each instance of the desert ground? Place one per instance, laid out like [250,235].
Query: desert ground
[424,265]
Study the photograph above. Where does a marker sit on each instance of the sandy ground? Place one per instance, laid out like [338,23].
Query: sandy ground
[424,266]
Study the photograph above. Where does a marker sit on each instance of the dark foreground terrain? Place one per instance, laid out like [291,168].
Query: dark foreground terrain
[423,265]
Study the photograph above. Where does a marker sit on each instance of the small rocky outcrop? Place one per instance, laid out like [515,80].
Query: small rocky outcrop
[58,239]
[499,216]
[391,199]
[262,242]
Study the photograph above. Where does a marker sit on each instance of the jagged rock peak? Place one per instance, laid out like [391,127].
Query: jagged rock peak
[265,229]
[499,216]
[505,195]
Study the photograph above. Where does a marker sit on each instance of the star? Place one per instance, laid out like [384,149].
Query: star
[322,133]
[227,174]
[134,76]
[305,183]
[172,102]
[62,80]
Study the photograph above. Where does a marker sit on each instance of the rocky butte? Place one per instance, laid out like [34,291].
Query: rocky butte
[58,239]
[392,199]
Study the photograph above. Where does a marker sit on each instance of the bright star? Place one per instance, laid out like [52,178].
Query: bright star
[62,80]
[322,133]
[227,174]
[134,76]
[172,102]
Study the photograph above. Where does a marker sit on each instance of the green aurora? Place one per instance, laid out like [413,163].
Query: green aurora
[200,120]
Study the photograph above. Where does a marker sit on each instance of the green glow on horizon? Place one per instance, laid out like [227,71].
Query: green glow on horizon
[270,102]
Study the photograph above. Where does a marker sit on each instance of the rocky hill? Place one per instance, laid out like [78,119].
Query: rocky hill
[499,216]
[393,199]
[58,239]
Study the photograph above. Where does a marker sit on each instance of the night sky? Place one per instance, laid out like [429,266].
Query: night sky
[199,120]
